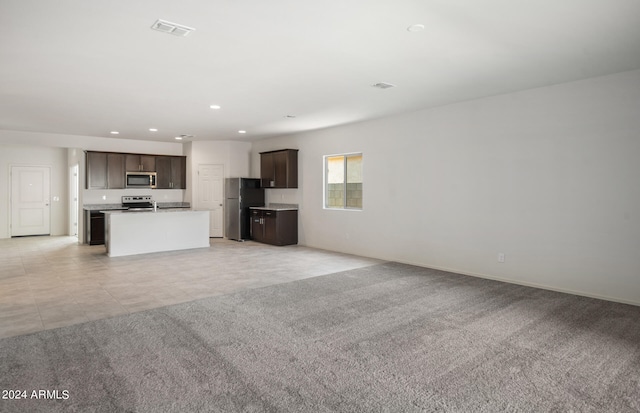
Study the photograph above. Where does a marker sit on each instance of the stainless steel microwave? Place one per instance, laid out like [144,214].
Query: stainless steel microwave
[141,179]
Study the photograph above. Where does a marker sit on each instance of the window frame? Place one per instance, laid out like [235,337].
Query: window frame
[325,177]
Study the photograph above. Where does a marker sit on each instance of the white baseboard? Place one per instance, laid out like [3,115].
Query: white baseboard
[527,284]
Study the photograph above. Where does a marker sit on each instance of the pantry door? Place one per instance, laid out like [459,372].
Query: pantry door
[210,196]
[30,200]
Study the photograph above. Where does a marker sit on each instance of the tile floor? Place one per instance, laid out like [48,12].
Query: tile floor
[50,282]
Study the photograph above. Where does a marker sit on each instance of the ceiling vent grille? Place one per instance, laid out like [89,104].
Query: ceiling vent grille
[172,28]
[383,85]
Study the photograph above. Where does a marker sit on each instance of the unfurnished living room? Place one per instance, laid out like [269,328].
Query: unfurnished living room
[354,206]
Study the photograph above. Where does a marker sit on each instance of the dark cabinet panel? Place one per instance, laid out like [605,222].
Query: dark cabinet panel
[257,229]
[105,170]
[279,169]
[133,163]
[163,170]
[148,163]
[171,172]
[178,172]
[139,163]
[274,227]
[267,174]
[115,171]
[270,227]
[96,168]
[94,227]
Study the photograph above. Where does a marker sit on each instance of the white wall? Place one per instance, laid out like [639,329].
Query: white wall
[234,156]
[548,176]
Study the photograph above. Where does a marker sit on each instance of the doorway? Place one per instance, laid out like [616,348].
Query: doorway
[211,196]
[30,200]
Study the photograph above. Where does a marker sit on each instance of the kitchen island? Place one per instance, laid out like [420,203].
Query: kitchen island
[130,233]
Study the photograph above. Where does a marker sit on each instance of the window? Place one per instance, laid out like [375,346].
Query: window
[343,181]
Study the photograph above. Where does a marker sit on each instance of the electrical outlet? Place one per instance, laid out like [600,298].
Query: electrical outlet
[501,257]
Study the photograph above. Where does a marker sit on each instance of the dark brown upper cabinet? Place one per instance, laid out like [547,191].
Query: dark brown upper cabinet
[279,169]
[107,170]
[115,171]
[171,172]
[141,163]
[104,170]
[96,170]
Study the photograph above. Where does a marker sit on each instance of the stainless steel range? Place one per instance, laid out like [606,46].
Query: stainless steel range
[138,203]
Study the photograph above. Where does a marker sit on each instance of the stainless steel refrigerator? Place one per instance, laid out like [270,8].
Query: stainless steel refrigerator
[240,194]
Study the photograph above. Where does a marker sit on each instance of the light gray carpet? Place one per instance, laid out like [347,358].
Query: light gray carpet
[389,337]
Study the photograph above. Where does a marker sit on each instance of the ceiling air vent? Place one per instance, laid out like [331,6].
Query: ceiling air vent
[172,28]
[383,85]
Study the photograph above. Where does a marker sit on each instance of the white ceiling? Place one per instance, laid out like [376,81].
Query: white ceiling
[87,67]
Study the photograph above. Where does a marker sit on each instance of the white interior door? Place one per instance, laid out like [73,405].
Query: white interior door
[30,203]
[211,196]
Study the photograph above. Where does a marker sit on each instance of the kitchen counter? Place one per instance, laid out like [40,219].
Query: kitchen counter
[142,232]
[277,207]
[102,207]
[165,205]
[137,211]
[115,207]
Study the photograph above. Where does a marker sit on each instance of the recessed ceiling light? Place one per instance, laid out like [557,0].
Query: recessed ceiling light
[242,131]
[178,138]
[153,130]
[415,28]
[214,107]
[290,116]
[115,132]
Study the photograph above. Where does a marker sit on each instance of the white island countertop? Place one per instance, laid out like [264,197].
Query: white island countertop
[141,232]
[277,207]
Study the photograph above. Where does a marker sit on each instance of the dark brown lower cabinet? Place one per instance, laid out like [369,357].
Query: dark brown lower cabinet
[275,227]
[94,227]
